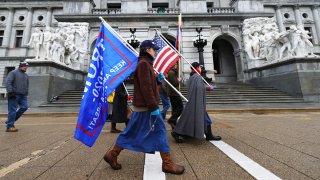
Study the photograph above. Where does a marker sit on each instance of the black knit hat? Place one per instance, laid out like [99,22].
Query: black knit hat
[195,65]
[23,64]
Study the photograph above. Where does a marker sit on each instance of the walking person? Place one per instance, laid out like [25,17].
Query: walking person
[194,120]
[146,131]
[17,84]
[164,99]
[175,99]
[119,111]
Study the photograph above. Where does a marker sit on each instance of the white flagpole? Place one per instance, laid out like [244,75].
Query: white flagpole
[109,27]
[181,55]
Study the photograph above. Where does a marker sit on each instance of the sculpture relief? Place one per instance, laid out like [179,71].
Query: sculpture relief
[263,41]
[66,44]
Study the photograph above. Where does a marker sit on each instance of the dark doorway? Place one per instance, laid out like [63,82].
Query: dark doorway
[224,61]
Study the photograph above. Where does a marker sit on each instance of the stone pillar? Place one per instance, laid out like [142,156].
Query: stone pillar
[316,17]
[7,32]
[279,18]
[297,14]
[27,31]
[49,17]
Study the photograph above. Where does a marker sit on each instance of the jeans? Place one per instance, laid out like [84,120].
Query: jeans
[13,112]
[208,119]
[165,104]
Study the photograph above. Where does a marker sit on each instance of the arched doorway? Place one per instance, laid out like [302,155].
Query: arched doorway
[224,60]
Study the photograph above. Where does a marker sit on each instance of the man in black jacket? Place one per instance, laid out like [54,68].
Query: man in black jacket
[175,99]
[17,84]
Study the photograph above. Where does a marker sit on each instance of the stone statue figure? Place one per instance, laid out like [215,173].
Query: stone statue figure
[295,38]
[57,49]
[247,44]
[255,44]
[305,40]
[35,41]
[47,42]
[285,45]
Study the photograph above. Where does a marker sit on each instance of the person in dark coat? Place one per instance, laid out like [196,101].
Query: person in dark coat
[175,99]
[17,85]
[119,111]
[146,131]
[194,120]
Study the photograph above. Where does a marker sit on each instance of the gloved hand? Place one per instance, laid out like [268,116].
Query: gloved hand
[129,98]
[155,112]
[11,95]
[160,77]
[211,88]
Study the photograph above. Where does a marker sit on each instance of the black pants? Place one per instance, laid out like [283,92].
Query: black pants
[177,107]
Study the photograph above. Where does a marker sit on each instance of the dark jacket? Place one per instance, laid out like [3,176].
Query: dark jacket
[119,110]
[173,79]
[17,82]
[146,93]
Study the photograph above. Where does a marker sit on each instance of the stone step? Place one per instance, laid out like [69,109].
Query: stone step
[231,93]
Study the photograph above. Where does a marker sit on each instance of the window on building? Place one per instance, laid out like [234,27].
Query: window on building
[19,36]
[161,7]
[114,5]
[6,72]
[209,4]
[1,36]
[309,30]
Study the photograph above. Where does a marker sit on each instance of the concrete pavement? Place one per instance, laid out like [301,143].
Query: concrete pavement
[286,144]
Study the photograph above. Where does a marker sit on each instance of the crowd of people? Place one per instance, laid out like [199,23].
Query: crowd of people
[145,127]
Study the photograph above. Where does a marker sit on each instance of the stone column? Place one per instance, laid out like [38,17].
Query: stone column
[315,11]
[49,17]
[297,14]
[279,18]
[27,32]
[7,32]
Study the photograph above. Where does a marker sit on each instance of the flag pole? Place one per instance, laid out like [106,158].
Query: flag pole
[178,42]
[138,53]
[173,87]
[181,55]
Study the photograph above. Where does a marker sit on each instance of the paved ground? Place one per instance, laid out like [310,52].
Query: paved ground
[286,144]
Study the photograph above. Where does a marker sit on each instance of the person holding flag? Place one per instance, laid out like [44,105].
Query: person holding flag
[146,131]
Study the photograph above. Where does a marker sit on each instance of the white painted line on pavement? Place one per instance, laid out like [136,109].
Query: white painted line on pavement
[153,167]
[246,163]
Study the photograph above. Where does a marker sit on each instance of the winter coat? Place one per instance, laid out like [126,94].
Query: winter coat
[17,82]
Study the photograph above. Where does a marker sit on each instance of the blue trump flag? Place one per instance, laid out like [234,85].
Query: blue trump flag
[112,62]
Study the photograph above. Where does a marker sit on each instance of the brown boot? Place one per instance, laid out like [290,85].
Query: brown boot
[111,157]
[168,166]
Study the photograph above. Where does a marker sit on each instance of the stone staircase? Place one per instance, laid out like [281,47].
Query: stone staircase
[224,94]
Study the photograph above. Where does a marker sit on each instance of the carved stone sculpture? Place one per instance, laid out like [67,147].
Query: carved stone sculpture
[262,40]
[35,41]
[66,44]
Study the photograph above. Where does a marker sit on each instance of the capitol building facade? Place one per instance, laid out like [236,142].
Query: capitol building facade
[264,42]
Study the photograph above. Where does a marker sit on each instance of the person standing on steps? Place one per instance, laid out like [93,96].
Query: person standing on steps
[146,130]
[17,84]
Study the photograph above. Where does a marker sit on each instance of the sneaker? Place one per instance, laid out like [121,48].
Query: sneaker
[12,129]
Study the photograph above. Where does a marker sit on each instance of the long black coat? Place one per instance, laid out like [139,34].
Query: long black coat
[192,120]
[119,112]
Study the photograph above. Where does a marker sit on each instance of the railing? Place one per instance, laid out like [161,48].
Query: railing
[163,10]
[107,11]
[220,10]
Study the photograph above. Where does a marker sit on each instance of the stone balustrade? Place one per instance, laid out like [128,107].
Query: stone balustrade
[163,10]
[221,10]
[107,11]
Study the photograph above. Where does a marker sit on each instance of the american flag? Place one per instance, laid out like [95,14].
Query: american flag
[166,56]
